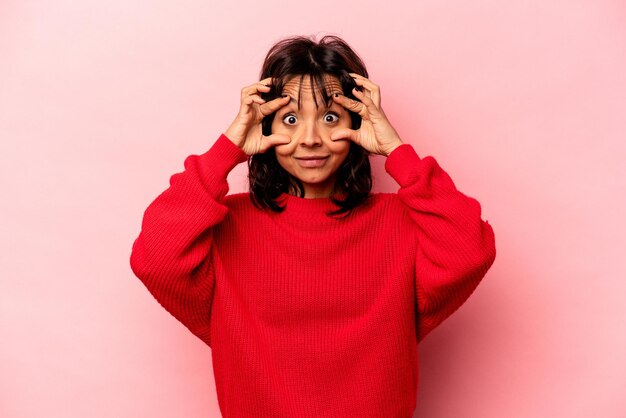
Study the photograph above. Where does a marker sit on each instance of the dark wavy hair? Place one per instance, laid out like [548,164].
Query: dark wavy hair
[300,55]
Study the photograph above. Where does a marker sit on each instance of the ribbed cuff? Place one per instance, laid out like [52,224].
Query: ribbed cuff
[224,155]
[401,164]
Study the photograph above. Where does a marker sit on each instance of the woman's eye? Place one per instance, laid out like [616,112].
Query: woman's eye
[329,117]
[291,118]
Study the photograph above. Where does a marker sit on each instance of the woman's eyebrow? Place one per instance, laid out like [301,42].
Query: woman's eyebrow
[295,101]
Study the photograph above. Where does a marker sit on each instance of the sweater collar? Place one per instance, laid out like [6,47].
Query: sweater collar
[295,204]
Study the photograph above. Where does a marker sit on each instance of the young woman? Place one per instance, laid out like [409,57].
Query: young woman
[311,291]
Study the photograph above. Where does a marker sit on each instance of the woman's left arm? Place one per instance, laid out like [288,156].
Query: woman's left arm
[455,246]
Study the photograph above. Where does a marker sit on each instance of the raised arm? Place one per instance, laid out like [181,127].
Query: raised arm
[171,255]
[455,246]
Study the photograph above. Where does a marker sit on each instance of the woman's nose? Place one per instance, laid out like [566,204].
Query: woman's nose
[310,136]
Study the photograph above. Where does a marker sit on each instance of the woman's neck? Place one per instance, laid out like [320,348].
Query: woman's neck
[315,191]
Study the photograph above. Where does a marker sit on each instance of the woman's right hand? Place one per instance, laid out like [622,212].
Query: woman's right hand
[246,131]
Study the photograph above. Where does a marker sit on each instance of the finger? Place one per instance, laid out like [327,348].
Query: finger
[360,77]
[253,88]
[344,133]
[272,140]
[273,105]
[350,104]
[253,98]
[257,99]
[372,89]
[367,101]
[266,82]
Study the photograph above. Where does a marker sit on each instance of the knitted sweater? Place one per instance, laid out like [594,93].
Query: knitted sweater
[308,315]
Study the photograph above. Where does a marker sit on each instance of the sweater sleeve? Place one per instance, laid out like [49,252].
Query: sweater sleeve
[455,246]
[171,255]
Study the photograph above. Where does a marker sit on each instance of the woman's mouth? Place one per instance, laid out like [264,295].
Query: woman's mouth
[311,162]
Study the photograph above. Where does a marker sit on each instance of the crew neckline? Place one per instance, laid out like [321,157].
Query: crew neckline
[302,204]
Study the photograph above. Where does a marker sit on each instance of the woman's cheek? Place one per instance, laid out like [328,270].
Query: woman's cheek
[276,128]
[287,149]
[282,150]
[340,146]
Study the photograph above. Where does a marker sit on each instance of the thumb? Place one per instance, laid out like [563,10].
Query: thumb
[272,140]
[344,133]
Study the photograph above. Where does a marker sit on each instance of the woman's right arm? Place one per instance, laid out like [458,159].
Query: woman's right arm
[171,255]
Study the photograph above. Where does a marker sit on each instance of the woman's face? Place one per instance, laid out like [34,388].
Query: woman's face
[311,156]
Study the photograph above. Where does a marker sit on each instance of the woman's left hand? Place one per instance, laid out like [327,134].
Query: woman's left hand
[376,134]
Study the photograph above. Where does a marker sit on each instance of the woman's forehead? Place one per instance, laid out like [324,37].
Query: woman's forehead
[293,84]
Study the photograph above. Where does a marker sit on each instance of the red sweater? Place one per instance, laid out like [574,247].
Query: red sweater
[307,315]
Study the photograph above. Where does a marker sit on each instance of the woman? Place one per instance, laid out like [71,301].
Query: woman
[312,291]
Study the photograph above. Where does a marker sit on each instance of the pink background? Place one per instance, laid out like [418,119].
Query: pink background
[523,104]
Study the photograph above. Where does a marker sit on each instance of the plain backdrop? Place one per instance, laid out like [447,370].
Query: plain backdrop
[522,103]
